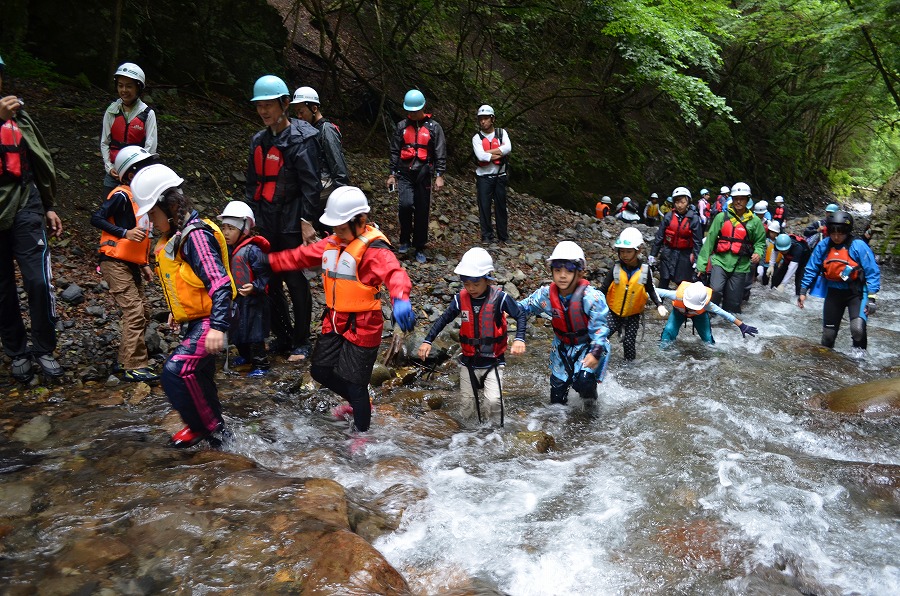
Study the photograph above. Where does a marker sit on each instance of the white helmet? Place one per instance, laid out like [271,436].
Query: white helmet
[305,94]
[774,226]
[630,238]
[704,191]
[132,71]
[130,156]
[696,296]
[626,200]
[761,207]
[238,214]
[681,191]
[345,203]
[779,199]
[653,195]
[477,262]
[724,190]
[740,190]
[605,199]
[150,183]
[485,110]
[568,251]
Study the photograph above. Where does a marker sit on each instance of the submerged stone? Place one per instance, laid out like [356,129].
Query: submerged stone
[876,399]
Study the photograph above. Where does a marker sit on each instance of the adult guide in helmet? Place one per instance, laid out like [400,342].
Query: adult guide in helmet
[491,147]
[678,240]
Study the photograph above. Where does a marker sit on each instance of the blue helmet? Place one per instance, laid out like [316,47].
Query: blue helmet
[269,87]
[782,242]
[413,101]
[831,208]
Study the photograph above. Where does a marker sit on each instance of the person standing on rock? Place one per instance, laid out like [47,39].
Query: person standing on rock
[332,166]
[580,349]
[736,240]
[124,256]
[127,121]
[283,187]
[482,308]
[418,150]
[852,281]
[678,241]
[356,260]
[27,193]
[192,266]
[491,147]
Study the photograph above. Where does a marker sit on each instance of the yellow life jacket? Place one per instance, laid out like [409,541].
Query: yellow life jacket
[770,246]
[626,295]
[343,290]
[187,297]
[678,303]
[123,248]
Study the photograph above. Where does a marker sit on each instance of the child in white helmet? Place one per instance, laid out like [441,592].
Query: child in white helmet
[127,121]
[767,265]
[580,348]
[627,286]
[251,318]
[692,301]
[482,308]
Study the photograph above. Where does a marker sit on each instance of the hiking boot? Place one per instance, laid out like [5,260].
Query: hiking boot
[420,257]
[257,373]
[186,438]
[137,375]
[239,361]
[22,369]
[403,249]
[50,366]
[298,354]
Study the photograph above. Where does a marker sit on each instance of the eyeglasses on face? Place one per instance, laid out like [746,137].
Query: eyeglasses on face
[467,279]
[567,265]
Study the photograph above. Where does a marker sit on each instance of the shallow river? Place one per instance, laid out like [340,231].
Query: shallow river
[700,472]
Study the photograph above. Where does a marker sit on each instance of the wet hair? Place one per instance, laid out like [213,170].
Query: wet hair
[176,206]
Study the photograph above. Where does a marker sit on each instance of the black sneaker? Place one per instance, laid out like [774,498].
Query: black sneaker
[136,375]
[23,369]
[50,366]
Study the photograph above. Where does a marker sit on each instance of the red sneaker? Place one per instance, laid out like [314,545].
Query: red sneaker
[186,438]
[342,411]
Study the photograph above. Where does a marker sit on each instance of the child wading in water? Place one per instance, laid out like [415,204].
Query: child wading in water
[580,348]
[482,307]
[250,323]
[627,286]
[692,301]
[192,265]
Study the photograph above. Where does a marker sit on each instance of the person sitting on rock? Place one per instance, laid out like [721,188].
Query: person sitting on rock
[356,260]
[627,286]
[692,301]
[251,320]
[580,349]
[482,307]
[124,261]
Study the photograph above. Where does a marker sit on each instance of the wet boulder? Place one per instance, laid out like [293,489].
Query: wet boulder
[876,399]
[343,558]
[534,440]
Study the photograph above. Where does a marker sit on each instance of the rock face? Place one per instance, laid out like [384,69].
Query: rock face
[886,218]
[878,398]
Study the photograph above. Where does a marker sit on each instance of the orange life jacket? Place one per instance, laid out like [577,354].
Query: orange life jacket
[602,210]
[488,337]
[267,166]
[343,290]
[627,295]
[678,303]
[570,325]
[123,248]
[13,158]
[123,133]
[415,142]
[733,238]
[678,234]
[838,266]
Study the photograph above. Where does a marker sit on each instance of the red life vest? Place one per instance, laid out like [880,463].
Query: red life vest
[123,133]
[267,166]
[241,271]
[488,144]
[707,211]
[779,213]
[602,210]
[415,142]
[733,238]
[678,236]
[13,158]
[570,325]
[838,266]
[487,338]
[123,248]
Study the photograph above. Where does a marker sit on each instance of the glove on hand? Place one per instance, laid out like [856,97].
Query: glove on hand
[403,314]
[871,309]
[748,330]
[661,310]
[651,260]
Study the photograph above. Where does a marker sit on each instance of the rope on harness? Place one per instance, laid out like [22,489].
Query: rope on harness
[478,384]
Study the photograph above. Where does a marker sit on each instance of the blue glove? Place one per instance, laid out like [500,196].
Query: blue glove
[403,314]
[747,330]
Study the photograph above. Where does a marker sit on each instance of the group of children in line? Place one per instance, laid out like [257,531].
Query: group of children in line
[214,278]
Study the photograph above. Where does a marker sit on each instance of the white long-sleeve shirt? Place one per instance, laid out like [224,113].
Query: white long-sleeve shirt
[111,112]
[478,148]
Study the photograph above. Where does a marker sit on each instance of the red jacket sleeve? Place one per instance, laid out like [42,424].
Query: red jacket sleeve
[295,259]
[379,265]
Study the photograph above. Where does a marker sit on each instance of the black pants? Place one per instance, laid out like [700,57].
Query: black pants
[255,354]
[346,368]
[492,190]
[290,332]
[414,188]
[628,328]
[836,300]
[26,243]
[728,288]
